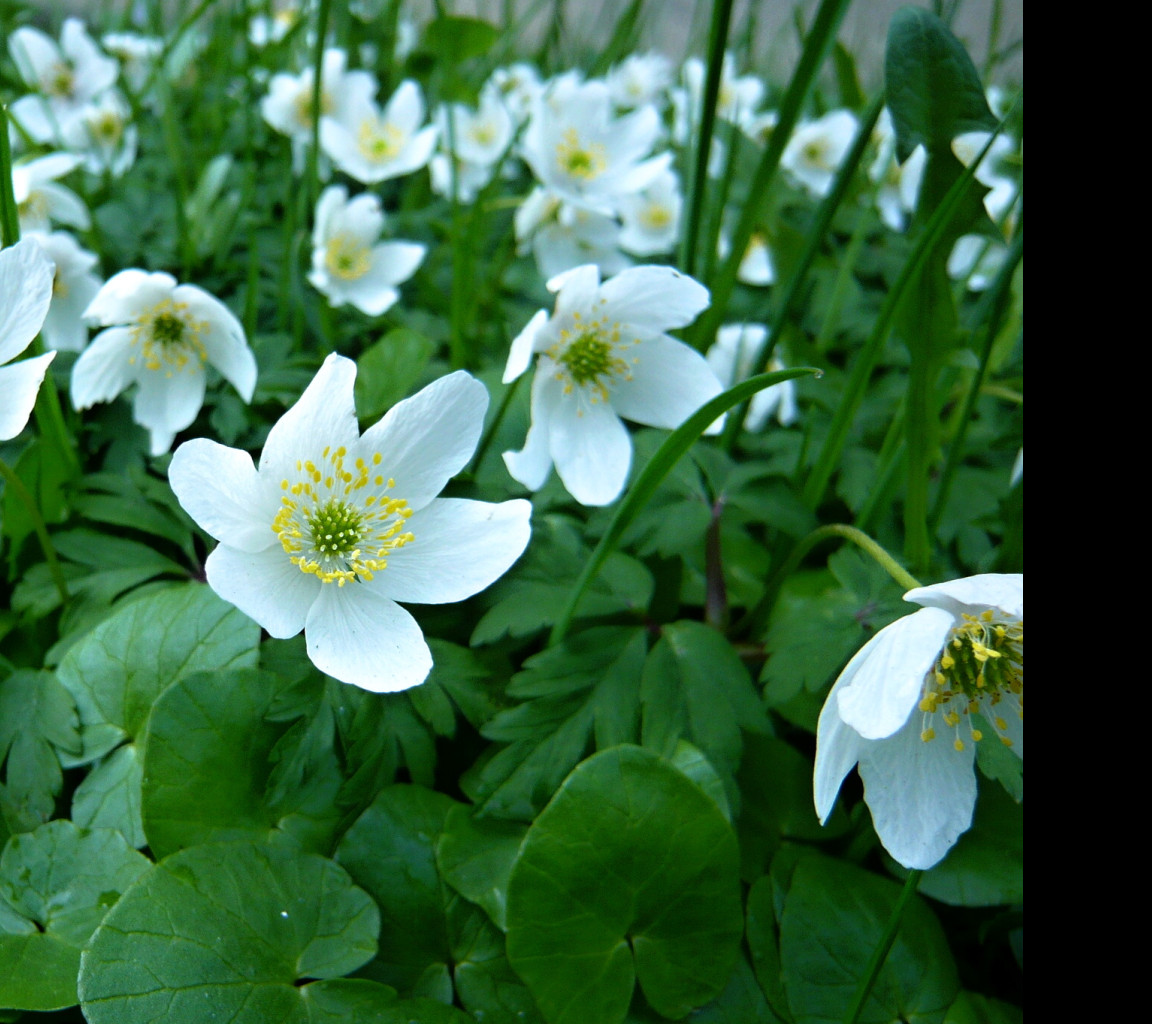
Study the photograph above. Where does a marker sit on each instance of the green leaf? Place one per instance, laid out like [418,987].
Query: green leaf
[118,670]
[832,918]
[485,983]
[934,90]
[37,718]
[742,1002]
[971,1008]
[476,855]
[229,928]
[209,761]
[453,39]
[630,874]
[389,370]
[58,883]
[391,851]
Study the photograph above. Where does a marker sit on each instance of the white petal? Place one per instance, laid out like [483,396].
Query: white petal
[324,415]
[19,384]
[921,795]
[359,637]
[224,339]
[265,586]
[973,594]
[520,357]
[670,381]
[220,488]
[657,297]
[576,289]
[128,294]
[25,294]
[406,107]
[591,449]
[102,370]
[838,748]
[395,262]
[427,439]
[460,548]
[531,465]
[882,683]
[166,403]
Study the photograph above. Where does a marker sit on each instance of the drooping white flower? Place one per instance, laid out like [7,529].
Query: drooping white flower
[65,76]
[639,79]
[604,354]
[580,150]
[334,528]
[349,262]
[651,218]
[41,201]
[372,144]
[159,336]
[732,358]
[25,291]
[562,236]
[816,149]
[74,286]
[903,710]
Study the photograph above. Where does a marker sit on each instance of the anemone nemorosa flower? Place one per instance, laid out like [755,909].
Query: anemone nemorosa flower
[335,527]
[904,709]
[25,292]
[604,354]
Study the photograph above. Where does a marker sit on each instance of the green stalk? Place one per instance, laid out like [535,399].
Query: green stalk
[816,47]
[717,40]
[891,451]
[825,213]
[991,312]
[645,484]
[880,953]
[921,430]
[17,486]
[829,456]
[9,215]
[486,440]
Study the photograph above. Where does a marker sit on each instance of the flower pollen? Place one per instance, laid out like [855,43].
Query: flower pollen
[587,357]
[169,337]
[347,257]
[379,140]
[586,162]
[980,669]
[339,524]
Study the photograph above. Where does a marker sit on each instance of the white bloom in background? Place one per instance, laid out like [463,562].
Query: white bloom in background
[25,291]
[40,201]
[756,266]
[580,150]
[371,145]
[640,79]
[74,286]
[651,218]
[159,337]
[604,354]
[732,358]
[481,138]
[562,236]
[519,88]
[898,185]
[288,105]
[1002,186]
[976,260]
[470,178]
[334,528]
[737,102]
[65,76]
[103,132]
[903,711]
[265,29]
[814,152]
[349,262]
[137,55]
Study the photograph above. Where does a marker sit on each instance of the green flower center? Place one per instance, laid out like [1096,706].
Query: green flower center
[587,357]
[167,329]
[347,258]
[379,140]
[336,521]
[167,337]
[580,161]
[980,669]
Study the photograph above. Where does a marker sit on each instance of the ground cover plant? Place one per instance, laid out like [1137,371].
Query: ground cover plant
[499,527]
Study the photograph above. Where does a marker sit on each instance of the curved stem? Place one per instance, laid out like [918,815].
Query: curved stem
[21,492]
[486,440]
[880,953]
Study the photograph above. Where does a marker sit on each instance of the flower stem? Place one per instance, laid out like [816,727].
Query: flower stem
[486,440]
[880,953]
[17,486]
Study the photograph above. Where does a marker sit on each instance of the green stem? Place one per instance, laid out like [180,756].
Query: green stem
[17,486]
[717,39]
[921,429]
[490,433]
[880,953]
[9,215]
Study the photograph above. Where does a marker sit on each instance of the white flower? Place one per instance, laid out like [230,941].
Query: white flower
[104,133]
[1002,186]
[902,709]
[816,148]
[137,54]
[639,79]
[481,138]
[288,105]
[603,354]
[74,286]
[562,236]
[160,335]
[334,528]
[40,200]
[518,87]
[371,145]
[25,291]
[898,184]
[580,150]
[732,360]
[349,263]
[652,218]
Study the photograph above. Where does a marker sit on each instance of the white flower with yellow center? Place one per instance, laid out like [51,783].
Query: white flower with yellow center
[816,149]
[562,236]
[334,528]
[371,144]
[350,265]
[581,151]
[41,201]
[732,358]
[25,292]
[160,335]
[913,703]
[104,133]
[604,354]
[74,286]
[651,218]
[639,79]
